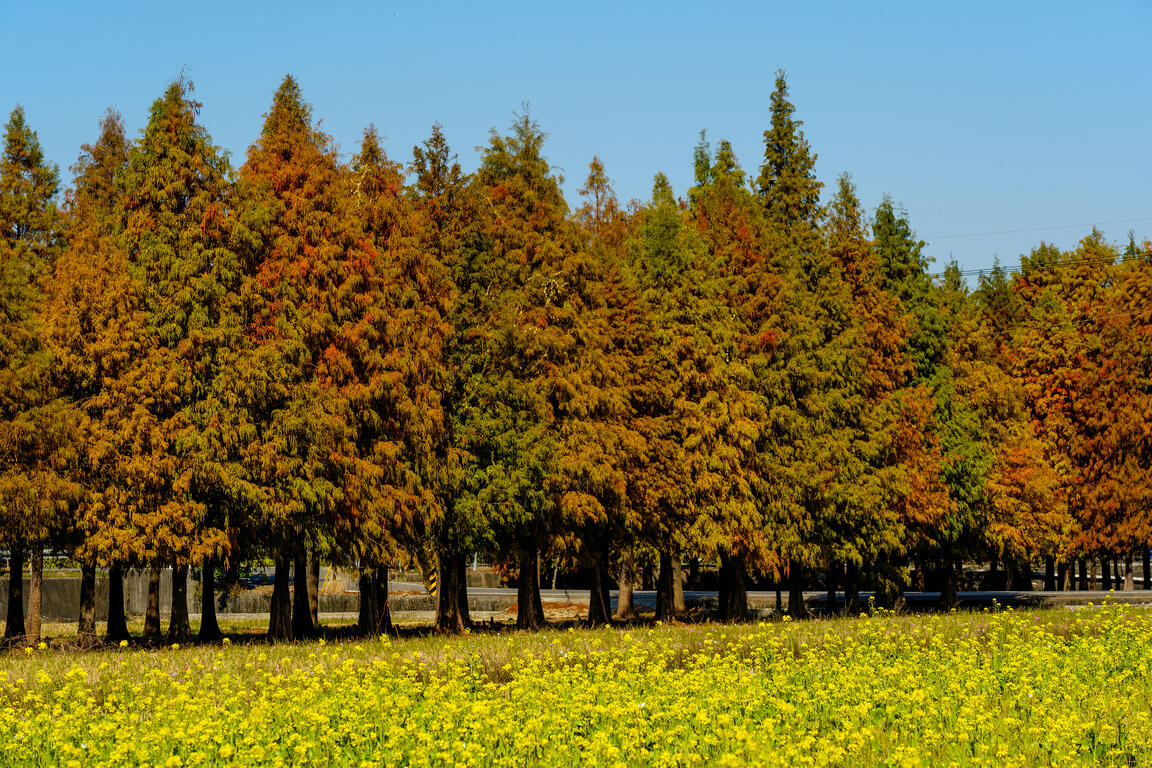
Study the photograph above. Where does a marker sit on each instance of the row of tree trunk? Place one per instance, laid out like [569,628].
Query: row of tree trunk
[294,610]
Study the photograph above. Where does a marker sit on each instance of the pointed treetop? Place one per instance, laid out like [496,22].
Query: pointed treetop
[289,111]
[787,183]
[27,185]
[99,164]
[898,250]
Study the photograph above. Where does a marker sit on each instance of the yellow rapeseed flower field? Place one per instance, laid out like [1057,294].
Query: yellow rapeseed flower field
[993,689]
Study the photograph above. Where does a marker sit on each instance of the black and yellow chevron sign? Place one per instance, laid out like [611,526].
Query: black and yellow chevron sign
[432,582]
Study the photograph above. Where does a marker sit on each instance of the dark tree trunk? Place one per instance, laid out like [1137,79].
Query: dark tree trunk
[734,583]
[1083,574]
[1021,577]
[1129,577]
[117,621]
[380,584]
[918,581]
[462,589]
[1069,578]
[830,584]
[209,626]
[152,610]
[314,590]
[851,589]
[1049,574]
[35,595]
[779,600]
[1145,557]
[280,612]
[949,590]
[648,577]
[1061,576]
[694,574]
[448,618]
[1106,574]
[665,593]
[723,593]
[678,606]
[369,617]
[599,598]
[302,626]
[625,607]
[86,623]
[178,629]
[529,608]
[796,607]
[14,630]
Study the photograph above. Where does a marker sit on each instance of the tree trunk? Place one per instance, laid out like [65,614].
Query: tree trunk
[462,589]
[314,590]
[779,600]
[678,606]
[117,622]
[1117,578]
[14,629]
[830,585]
[949,590]
[35,595]
[209,626]
[851,589]
[1069,578]
[152,611]
[380,584]
[529,608]
[1061,576]
[280,612]
[1129,577]
[1083,574]
[448,618]
[918,581]
[665,594]
[1106,574]
[1021,577]
[625,607]
[1049,574]
[178,629]
[86,623]
[599,598]
[369,617]
[796,607]
[302,626]
[734,584]
[694,574]
[1145,556]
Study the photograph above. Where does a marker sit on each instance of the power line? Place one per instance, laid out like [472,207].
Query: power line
[1086,261]
[1036,229]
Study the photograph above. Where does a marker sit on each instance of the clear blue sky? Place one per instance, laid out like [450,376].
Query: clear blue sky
[977,117]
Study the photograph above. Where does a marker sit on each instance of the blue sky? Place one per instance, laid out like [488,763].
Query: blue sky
[976,117]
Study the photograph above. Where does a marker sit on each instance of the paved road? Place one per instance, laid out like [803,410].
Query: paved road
[758,600]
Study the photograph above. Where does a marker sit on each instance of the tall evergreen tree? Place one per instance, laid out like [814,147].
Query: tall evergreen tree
[29,428]
[93,323]
[294,237]
[173,199]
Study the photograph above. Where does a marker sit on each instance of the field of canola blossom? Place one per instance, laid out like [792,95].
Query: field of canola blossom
[994,689]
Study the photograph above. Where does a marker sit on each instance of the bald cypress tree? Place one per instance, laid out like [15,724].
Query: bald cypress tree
[293,236]
[93,324]
[173,190]
[447,220]
[29,429]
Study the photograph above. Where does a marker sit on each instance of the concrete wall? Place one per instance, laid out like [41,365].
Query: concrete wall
[60,598]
